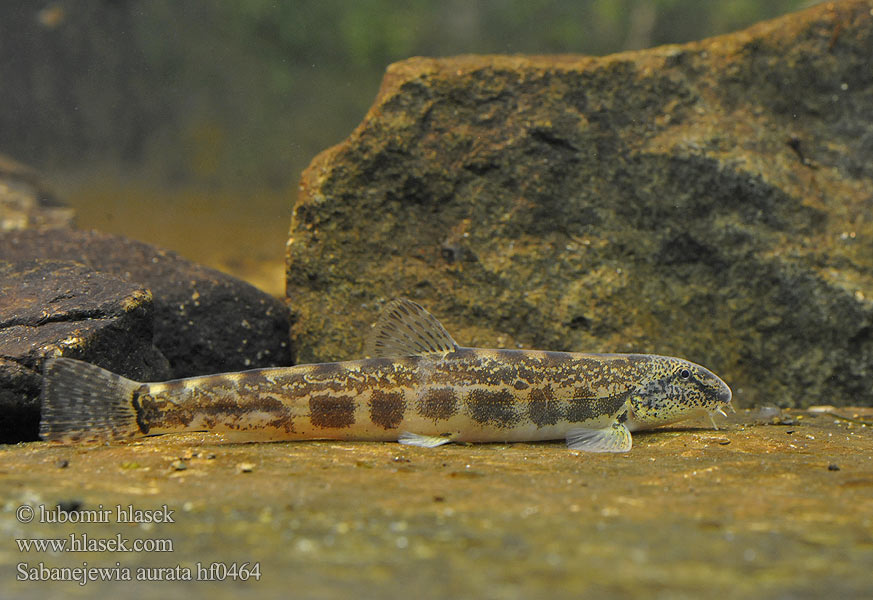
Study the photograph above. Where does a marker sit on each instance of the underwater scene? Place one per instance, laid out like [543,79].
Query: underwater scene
[473,299]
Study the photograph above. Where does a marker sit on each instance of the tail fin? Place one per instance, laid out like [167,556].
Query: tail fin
[83,403]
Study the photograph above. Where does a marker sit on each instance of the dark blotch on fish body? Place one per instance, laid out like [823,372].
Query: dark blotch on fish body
[583,409]
[145,409]
[438,404]
[493,408]
[387,408]
[542,408]
[332,412]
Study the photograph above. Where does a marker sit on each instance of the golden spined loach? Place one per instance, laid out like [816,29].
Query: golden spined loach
[417,387]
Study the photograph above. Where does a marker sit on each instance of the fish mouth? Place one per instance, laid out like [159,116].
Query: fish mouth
[723,397]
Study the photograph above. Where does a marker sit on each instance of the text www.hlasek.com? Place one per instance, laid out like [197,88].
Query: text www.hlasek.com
[85,543]
[82,542]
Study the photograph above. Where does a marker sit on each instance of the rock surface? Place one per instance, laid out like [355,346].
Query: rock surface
[204,321]
[673,518]
[710,200]
[130,307]
[61,308]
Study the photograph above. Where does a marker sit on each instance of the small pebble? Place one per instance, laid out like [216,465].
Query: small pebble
[179,465]
[767,412]
[62,464]
[70,505]
[245,467]
[833,467]
[722,441]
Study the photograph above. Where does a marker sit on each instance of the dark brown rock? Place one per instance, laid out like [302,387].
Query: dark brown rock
[709,200]
[61,308]
[205,321]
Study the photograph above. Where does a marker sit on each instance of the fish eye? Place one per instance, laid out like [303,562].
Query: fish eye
[685,374]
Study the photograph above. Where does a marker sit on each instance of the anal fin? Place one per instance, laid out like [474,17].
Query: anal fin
[615,438]
[423,441]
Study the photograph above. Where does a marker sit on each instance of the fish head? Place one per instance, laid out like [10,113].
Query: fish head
[678,389]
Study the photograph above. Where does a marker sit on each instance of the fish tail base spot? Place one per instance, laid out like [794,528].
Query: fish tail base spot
[82,402]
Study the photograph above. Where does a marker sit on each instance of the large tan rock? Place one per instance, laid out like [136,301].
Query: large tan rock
[710,200]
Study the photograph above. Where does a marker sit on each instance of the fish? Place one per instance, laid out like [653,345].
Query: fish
[417,387]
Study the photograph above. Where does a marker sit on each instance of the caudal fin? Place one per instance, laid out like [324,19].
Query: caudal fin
[84,403]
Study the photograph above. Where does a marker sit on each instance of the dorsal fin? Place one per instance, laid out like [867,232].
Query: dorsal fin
[406,329]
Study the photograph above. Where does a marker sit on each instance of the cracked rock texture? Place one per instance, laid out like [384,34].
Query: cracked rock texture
[61,308]
[710,200]
[205,321]
[135,309]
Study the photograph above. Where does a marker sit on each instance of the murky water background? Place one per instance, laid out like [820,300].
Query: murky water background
[187,125]
[239,232]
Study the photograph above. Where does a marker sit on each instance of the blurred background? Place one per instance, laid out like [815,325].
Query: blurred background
[187,124]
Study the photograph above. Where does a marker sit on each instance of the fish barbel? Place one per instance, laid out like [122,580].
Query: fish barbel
[419,388]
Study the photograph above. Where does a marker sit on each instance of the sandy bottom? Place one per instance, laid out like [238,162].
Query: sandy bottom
[779,508]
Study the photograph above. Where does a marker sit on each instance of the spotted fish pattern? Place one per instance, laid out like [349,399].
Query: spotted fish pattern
[419,387]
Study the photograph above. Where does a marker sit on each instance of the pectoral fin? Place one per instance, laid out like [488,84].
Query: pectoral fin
[615,438]
[424,441]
